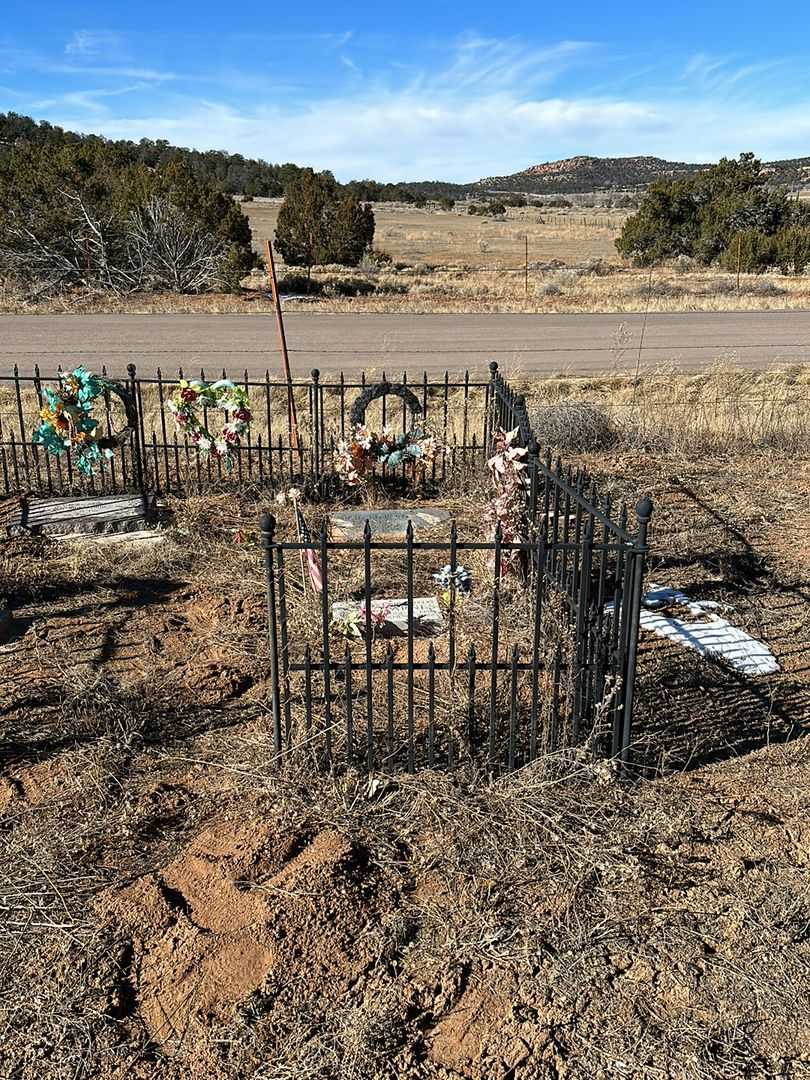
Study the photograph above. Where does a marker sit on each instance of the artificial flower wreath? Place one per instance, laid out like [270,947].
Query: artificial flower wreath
[358,455]
[189,396]
[67,423]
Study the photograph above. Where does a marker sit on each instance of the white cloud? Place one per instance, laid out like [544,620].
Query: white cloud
[89,43]
[492,107]
[414,137]
[115,72]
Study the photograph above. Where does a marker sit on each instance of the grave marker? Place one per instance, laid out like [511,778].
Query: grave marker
[349,524]
[427,615]
[84,514]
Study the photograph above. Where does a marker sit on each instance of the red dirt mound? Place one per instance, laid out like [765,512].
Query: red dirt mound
[243,904]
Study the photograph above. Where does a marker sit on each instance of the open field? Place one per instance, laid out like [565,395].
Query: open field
[460,291]
[442,238]
[170,907]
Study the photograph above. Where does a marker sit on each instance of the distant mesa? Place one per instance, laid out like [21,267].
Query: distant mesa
[586,173]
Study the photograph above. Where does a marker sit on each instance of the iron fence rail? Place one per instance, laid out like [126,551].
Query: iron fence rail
[156,458]
[572,678]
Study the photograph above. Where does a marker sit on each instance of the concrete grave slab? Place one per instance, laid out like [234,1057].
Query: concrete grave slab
[393,615]
[95,514]
[349,524]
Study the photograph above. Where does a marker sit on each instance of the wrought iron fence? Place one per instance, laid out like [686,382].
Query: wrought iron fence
[158,459]
[555,667]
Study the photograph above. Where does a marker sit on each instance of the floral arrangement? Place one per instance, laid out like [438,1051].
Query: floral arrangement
[357,456]
[352,623]
[462,579]
[510,480]
[190,396]
[67,423]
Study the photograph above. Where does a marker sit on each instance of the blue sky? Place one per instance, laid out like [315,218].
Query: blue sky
[413,90]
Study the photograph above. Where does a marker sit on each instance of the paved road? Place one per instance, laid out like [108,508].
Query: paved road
[526,344]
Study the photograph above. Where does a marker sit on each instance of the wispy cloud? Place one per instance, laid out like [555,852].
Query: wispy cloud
[350,64]
[88,100]
[459,110]
[727,74]
[90,43]
[488,65]
[116,71]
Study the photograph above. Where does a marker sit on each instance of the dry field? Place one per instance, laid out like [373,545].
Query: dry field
[453,262]
[446,238]
[561,290]
[170,908]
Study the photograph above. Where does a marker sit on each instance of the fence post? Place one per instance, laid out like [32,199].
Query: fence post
[534,470]
[316,426]
[644,510]
[137,455]
[267,525]
[489,419]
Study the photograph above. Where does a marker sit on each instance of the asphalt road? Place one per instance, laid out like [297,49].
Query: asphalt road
[525,344]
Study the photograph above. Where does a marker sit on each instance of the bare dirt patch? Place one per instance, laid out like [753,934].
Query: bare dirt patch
[170,907]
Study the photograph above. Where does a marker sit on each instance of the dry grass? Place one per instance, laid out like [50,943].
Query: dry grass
[726,409]
[550,923]
[453,262]
[458,291]
[439,238]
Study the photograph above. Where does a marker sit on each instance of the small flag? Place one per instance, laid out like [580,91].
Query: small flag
[313,563]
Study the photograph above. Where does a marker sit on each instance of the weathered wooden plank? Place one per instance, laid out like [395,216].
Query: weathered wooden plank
[84,514]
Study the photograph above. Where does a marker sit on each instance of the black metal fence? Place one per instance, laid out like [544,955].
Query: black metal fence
[550,663]
[158,459]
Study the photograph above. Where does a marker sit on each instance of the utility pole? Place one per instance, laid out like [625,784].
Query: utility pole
[739,259]
[526,267]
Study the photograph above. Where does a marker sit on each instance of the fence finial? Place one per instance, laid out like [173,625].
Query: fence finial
[493,366]
[644,509]
[315,373]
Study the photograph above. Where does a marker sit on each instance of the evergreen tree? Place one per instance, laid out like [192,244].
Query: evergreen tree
[316,225]
[349,230]
[702,214]
[301,227]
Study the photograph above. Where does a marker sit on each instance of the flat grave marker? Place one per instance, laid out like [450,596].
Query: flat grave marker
[427,615]
[349,524]
[95,514]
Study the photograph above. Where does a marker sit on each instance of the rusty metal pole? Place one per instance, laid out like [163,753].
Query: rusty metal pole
[292,419]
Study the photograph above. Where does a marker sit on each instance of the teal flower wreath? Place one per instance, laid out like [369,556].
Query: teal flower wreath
[67,423]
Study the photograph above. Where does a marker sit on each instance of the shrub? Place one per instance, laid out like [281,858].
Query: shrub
[74,215]
[793,249]
[749,252]
[299,283]
[317,226]
[574,426]
[704,215]
[765,287]
[354,287]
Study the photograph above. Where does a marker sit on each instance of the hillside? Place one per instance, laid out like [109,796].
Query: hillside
[236,174]
[586,173]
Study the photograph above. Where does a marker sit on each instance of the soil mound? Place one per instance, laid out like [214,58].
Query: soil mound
[244,905]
